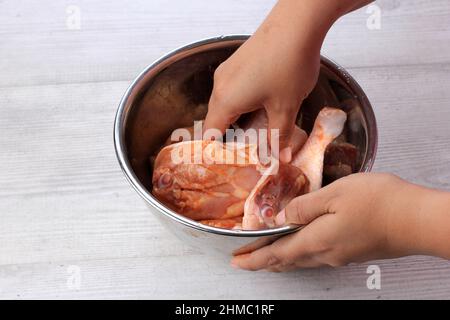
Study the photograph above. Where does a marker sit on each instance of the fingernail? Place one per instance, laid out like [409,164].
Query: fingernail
[233,264]
[280,219]
[286,155]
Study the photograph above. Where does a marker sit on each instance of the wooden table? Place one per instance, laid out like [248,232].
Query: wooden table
[70,224]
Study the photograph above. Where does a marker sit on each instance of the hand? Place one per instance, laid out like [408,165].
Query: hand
[355,219]
[277,67]
[275,70]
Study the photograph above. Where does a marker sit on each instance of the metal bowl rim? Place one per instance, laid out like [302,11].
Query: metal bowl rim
[120,147]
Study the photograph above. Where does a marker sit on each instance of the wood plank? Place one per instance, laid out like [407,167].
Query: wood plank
[196,276]
[61,193]
[411,106]
[65,202]
[116,42]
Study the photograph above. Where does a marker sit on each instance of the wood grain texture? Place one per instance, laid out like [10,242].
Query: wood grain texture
[64,200]
[118,39]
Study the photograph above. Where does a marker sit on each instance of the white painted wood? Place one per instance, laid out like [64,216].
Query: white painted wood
[64,200]
[117,40]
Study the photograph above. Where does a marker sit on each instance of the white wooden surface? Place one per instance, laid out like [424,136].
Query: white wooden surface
[64,201]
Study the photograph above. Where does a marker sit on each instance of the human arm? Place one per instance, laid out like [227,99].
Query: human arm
[277,67]
[355,219]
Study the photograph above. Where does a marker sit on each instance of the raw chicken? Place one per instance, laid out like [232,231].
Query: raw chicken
[279,184]
[274,191]
[223,194]
[234,223]
[327,127]
[206,189]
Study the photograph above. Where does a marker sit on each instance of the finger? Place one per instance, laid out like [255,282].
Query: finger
[256,260]
[284,122]
[219,116]
[304,209]
[305,263]
[298,139]
[276,269]
[282,252]
[282,268]
[285,155]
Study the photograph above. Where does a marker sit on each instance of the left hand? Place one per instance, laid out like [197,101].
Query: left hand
[357,218]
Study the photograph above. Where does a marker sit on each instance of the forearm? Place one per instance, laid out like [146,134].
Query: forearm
[434,223]
[421,221]
[301,25]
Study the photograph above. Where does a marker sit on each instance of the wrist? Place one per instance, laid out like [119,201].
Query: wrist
[300,24]
[324,12]
[433,227]
[334,9]
[310,20]
[419,221]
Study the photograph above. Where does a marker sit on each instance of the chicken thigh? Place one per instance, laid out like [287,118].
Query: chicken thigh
[274,191]
[202,186]
[243,193]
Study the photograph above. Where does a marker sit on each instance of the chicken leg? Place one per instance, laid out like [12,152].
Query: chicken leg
[281,183]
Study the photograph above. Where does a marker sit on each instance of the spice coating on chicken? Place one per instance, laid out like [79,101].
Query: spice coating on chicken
[211,188]
[279,184]
[304,174]
[222,193]
[327,126]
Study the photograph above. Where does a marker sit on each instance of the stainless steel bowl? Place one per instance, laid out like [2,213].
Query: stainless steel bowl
[174,91]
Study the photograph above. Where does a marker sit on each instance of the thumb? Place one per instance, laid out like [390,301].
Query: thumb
[219,116]
[284,121]
[304,209]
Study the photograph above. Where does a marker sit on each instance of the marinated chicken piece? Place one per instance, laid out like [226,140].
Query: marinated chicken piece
[203,186]
[210,190]
[234,223]
[281,183]
[258,120]
[340,161]
[222,194]
[278,185]
[328,125]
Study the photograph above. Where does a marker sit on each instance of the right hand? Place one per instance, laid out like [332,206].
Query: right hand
[277,67]
[275,70]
